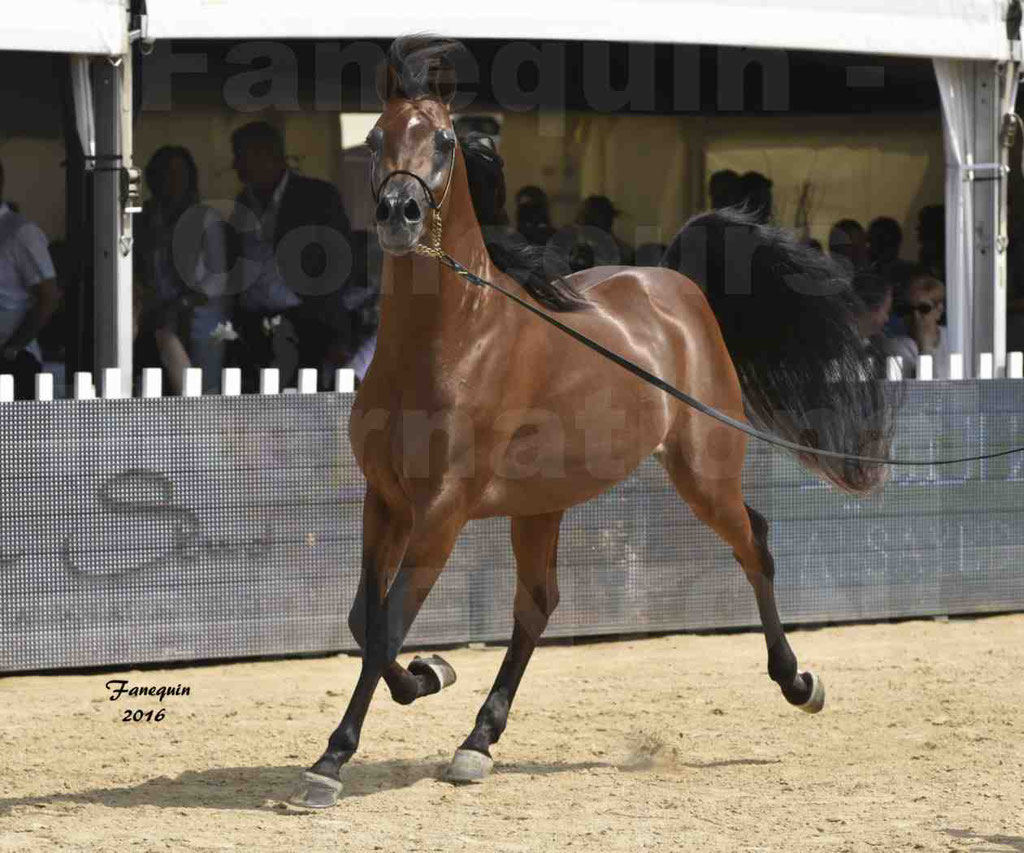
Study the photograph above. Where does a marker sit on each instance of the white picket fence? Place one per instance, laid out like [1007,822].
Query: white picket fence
[926,364]
[152,383]
[344,379]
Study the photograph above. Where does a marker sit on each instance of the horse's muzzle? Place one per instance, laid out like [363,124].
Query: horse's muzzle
[399,217]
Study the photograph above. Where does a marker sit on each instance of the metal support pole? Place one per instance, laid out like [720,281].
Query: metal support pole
[995,95]
[112,280]
[989,314]
[1009,73]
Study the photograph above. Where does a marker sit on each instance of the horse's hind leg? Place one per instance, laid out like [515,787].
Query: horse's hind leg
[714,494]
[535,542]
[805,690]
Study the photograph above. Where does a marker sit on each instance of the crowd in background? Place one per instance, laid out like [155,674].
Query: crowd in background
[28,295]
[284,282]
[902,301]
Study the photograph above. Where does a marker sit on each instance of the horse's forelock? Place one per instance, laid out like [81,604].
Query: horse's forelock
[420,66]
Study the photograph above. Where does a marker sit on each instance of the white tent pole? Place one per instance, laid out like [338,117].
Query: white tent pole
[994,96]
[956,85]
[125,276]
[989,314]
[112,254]
[81,87]
[1010,77]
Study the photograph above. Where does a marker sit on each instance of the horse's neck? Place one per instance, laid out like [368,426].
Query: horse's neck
[423,303]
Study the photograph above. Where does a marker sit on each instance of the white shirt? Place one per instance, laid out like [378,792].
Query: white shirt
[906,347]
[24,262]
[940,356]
[268,216]
[208,279]
[263,287]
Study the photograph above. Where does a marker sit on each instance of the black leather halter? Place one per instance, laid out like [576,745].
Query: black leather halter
[429,193]
[434,205]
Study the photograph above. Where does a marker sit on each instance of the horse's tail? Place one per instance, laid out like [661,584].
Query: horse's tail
[788,317]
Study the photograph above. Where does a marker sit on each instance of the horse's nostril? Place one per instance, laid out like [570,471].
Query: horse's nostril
[411,211]
[383,211]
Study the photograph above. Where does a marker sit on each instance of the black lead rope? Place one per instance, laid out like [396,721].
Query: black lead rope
[693,402]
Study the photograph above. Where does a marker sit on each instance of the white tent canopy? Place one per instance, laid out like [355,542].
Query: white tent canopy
[967,29]
[66,26]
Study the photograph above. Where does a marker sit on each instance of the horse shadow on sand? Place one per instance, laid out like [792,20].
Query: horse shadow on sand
[260,788]
[267,787]
[999,843]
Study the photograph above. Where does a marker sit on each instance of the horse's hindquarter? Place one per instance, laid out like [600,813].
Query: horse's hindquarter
[589,423]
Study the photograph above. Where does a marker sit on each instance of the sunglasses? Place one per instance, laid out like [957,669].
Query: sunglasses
[924,308]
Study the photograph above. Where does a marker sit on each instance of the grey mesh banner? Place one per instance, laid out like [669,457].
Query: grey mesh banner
[136,531]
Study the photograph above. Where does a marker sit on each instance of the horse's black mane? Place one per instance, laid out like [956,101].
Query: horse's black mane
[423,66]
[539,269]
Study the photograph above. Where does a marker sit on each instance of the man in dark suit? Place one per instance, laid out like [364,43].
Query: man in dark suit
[295,259]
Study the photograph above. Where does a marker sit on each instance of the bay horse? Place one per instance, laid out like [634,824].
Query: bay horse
[474,408]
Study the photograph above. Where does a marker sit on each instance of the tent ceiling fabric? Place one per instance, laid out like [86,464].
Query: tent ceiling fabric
[969,29]
[66,26]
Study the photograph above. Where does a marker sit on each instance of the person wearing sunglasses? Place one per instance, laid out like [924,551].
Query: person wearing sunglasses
[925,307]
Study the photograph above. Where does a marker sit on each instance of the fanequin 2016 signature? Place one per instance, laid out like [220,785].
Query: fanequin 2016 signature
[119,687]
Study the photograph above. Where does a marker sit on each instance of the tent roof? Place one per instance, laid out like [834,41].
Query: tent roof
[970,29]
[65,26]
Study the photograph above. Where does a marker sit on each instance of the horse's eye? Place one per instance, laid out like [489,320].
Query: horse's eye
[444,140]
[374,140]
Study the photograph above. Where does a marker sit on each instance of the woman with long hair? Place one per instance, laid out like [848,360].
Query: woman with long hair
[180,261]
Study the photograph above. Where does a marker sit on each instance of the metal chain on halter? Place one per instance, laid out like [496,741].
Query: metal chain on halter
[434,250]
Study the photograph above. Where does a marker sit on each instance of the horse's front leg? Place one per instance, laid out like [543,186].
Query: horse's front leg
[404,600]
[420,548]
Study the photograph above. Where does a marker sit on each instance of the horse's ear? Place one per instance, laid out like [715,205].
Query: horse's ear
[419,67]
[444,82]
[388,82]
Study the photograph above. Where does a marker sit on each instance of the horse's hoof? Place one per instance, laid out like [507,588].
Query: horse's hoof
[469,766]
[816,701]
[317,792]
[436,668]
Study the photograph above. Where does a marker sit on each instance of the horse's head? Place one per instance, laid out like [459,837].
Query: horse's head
[412,146]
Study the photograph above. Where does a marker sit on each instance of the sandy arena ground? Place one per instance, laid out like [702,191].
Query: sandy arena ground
[673,743]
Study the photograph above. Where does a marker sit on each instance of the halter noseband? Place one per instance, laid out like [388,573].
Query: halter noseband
[429,193]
